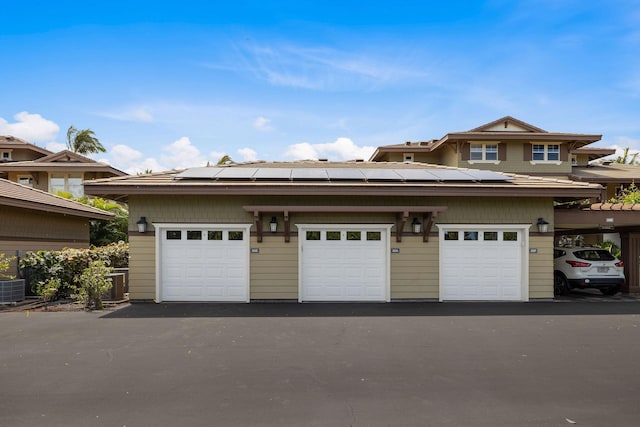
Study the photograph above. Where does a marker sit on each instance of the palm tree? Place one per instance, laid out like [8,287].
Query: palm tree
[224,160]
[624,159]
[83,141]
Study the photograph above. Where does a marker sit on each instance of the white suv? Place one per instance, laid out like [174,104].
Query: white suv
[586,267]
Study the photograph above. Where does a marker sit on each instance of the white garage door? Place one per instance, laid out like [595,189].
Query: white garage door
[344,262]
[203,263]
[484,264]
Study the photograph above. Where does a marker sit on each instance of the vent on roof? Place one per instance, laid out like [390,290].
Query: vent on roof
[407,143]
[323,160]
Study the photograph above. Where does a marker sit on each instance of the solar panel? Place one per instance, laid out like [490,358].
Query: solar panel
[481,175]
[381,175]
[316,174]
[416,175]
[345,174]
[451,175]
[273,173]
[204,172]
[236,173]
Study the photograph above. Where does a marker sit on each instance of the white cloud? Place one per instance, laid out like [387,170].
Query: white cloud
[55,146]
[131,114]
[262,124]
[248,154]
[340,149]
[132,161]
[32,127]
[182,154]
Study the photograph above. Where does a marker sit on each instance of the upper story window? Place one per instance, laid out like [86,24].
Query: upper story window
[5,156]
[25,180]
[545,152]
[66,182]
[486,152]
[407,157]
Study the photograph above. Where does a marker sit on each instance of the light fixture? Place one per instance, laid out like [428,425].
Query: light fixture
[273,224]
[416,225]
[142,224]
[543,225]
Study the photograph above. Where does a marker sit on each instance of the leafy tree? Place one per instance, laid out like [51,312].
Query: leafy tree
[83,141]
[93,284]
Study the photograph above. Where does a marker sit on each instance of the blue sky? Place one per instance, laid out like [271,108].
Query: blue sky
[175,85]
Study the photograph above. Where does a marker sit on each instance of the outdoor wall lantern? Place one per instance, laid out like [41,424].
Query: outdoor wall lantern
[142,224]
[543,225]
[416,225]
[273,224]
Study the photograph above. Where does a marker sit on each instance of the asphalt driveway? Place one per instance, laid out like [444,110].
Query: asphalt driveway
[402,364]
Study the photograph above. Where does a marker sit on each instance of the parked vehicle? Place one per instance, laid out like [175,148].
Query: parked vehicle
[586,267]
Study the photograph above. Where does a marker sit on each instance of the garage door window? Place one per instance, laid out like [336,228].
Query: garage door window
[374,235]
[354,235]
[490,236]
[451,235]
[174,235]
[194,235]
[470,235]
[313,235]
[333,235]
[214,235]
[236,235]
[510,236]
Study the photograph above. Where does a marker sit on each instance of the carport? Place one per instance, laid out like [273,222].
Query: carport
[600,218]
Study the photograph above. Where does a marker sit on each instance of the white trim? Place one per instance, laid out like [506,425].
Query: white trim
[493,162]
[545,162]
[387,259]
[524,243]
[161,226]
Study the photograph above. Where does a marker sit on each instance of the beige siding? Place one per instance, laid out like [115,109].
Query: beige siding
[495,210]
[541,267]
[274,271]
[515,162]
[26,224]
[142,267]
[415,270]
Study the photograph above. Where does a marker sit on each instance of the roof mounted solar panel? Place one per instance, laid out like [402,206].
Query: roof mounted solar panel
[199,173]
[312,174]
[273,173]
[481,175]
[416,175]
[236,173]
[336,174]
[381,175]
[451,175]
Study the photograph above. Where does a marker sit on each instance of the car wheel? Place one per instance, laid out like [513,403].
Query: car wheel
[610,291]
[560,284]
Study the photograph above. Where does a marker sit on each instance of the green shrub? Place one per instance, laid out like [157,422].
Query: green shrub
[4,266]
[93,284]
[66,266]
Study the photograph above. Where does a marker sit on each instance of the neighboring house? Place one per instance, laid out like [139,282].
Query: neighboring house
[36,167]
[504,145]
[32,220]
[349,231]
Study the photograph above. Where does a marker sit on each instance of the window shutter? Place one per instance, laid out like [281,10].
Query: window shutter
[502,151]
[465,151]
[564,152]
[527,152]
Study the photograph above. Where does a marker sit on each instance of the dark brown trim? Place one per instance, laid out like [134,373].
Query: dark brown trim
[465,151]
[527,152]
[502,152]
[564,152]
[150,233]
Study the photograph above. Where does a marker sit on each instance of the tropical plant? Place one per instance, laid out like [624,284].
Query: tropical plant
[4,266]
[93,284]
[625,159]
[83,141]
[611,247]
[628,195]
[48,290]
[224,160]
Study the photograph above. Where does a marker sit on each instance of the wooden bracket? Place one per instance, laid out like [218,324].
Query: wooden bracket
[400,222]
[287,227]
[427,223]
[257,217]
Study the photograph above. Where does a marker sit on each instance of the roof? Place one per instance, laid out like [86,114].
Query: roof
[516,130]
[341,178]
[21,196]
[11,142]
[64,160]
[613,172]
